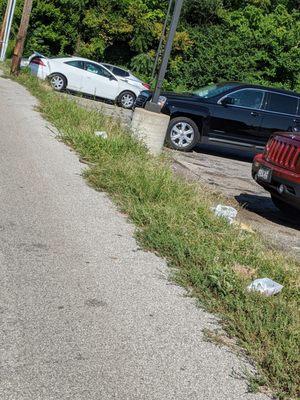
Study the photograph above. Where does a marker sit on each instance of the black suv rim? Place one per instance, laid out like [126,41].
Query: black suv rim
[182,135]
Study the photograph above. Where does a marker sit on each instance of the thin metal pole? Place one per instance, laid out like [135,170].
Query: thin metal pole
[19,47]
[4,22]
[12,5]
[168,49]
[163,35]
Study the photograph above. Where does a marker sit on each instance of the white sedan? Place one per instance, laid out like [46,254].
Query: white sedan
[84,76]
[126,76]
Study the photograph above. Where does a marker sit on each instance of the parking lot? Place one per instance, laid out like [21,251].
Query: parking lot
[227,172]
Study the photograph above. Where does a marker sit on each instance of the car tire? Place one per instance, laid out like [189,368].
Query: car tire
[285,208]
[58,82]
[182,134]
[126,100]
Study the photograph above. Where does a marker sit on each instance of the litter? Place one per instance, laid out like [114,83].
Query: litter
[243,227]
[265,286]
[246,228]
[226,212]
[101,134]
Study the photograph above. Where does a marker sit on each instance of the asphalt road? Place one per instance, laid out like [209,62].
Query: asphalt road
[84,313]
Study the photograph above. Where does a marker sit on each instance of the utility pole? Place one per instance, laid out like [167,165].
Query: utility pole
[4,22]
[168,49]
[149,123]
[6,27]
[19,47]
[163,35]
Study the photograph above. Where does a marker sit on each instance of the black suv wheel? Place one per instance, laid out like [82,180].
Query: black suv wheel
[183,134]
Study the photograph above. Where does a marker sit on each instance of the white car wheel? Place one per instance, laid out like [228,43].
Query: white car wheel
[58,82]
[127,100]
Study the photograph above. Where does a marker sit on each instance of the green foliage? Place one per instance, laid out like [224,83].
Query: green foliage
[245,40]
[249,45]
[201,11]
[142,64]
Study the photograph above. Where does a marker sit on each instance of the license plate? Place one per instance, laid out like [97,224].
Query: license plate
[264,174]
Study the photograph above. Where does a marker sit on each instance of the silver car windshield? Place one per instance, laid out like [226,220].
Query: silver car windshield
[214,90]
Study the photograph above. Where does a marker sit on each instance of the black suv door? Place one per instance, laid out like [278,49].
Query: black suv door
[238,121]
[279,114]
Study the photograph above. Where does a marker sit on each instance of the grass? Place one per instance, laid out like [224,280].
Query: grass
[173,219]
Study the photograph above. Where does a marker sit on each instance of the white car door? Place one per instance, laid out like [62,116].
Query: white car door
[74,71]
[99,82]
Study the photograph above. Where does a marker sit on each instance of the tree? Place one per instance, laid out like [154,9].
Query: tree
[248,40]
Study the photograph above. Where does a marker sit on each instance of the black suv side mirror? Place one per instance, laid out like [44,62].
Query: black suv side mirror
[227,101]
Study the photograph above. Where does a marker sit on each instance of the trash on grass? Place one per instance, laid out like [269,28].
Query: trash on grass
[243,227]
[246,228]
[226,212]
[101,134]
[265,286]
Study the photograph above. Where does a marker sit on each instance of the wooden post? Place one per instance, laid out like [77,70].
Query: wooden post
[19,47]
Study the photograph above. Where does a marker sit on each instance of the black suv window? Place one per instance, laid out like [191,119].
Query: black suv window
[247,98]
[120,72]
[76,63]
[282,104]
[97,69]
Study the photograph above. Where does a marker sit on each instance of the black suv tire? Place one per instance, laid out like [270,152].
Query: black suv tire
[182,134]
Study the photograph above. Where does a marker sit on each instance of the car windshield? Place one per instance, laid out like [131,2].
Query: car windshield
[213,90]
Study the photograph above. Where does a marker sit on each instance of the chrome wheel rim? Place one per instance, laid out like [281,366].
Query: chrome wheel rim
[127,100]
[182,135]
[57,82]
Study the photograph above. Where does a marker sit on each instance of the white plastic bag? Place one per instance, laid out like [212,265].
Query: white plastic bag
[101,134]
[226,212]
[265,286]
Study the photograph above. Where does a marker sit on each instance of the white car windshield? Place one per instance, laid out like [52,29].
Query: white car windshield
[214,90]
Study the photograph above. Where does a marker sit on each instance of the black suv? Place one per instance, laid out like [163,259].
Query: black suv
[232,114]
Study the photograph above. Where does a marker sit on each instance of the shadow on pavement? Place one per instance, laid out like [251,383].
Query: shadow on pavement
[264,207]
[226,152]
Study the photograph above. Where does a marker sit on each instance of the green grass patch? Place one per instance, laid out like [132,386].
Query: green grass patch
[173,219]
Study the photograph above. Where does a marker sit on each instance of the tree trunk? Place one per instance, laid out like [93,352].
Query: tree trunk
[19,47]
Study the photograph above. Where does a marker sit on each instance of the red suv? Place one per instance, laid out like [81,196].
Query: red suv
[278,171]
